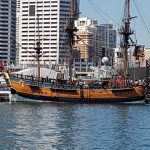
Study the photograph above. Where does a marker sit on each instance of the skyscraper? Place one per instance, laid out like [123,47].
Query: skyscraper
[95,41]
[17,31]
[44,20]
[86,38]
[107,36]
[8,31]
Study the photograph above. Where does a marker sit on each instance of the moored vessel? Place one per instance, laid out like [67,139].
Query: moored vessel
[104,90]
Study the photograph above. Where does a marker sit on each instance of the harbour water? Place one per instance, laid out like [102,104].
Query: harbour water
[63,126]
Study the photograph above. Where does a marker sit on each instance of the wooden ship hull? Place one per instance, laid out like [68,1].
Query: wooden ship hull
[39,89]
[68,93]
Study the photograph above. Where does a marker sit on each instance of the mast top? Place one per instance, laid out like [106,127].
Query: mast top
[126,32]
[74,7]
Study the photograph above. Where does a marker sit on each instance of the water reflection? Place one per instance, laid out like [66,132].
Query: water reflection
[74,126]
[65,123]
[126,125]
[122,128]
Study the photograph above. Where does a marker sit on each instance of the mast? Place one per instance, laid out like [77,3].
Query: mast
[70,30]
[126,32]
[38,48]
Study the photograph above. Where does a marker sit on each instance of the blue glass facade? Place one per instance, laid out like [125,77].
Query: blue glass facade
[8,31]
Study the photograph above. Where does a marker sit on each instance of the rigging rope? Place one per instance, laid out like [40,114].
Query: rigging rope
[146,28]
[100,11]
[134,28]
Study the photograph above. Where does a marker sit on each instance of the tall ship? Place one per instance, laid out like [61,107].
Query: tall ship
[104,90]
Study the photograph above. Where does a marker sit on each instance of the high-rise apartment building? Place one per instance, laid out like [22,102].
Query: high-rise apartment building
[86,38]
[17,31]
[45,20]
[106,42]
[95,41]
[8,31]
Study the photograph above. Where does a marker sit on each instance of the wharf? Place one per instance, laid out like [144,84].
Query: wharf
[5,92]
[5,96]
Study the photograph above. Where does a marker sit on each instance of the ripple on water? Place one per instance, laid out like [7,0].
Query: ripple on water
[74,126]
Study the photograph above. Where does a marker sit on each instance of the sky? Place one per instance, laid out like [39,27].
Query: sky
[111,11]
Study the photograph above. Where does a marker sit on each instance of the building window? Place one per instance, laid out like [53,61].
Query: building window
[32,10]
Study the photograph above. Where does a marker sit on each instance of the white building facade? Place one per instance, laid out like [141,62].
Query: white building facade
[45,20]
[17,31]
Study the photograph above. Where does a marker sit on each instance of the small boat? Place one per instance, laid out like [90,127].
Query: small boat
[72,90]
